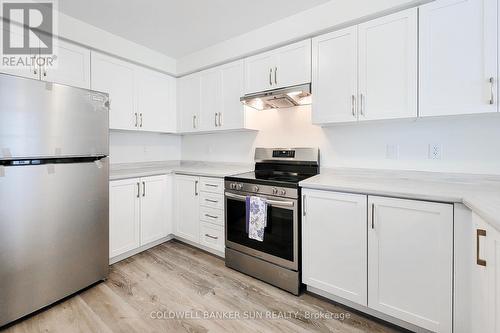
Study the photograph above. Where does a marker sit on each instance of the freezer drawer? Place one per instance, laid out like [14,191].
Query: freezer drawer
[40,119]
[53,233]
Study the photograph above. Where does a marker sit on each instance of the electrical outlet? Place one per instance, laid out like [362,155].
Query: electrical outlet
[435,151]
[392,152]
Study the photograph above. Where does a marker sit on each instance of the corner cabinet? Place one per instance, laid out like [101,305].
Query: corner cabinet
[458,57]
[389,257]
[286,66]
[366,72]
[209,101]
[140,99]
[140,213]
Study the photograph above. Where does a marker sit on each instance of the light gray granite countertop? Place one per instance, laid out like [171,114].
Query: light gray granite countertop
[481,193]
[205,169]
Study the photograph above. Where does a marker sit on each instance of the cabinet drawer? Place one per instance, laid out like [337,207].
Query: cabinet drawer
[212,185]
[212,200]
[212,236]
[212,215]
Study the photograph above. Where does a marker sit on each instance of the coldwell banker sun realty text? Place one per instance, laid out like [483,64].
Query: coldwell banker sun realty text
[28,30]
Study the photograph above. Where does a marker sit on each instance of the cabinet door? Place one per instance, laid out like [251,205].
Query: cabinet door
[154,213]
[117,78]
[259,72]
[187,207]
[335,76]
[482,296]
[154,105]
[388,67]
[231,111]
[72,66]
[458,57]
[334,244]
[16,34]
[189,102]
[410,261]
[124,216]
[210,99]
[293,65]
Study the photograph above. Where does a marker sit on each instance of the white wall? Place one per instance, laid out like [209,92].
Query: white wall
[470,144]
[128,147]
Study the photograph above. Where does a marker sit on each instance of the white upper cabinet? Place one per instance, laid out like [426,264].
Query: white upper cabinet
[458,57]
[410,261]
[232,88]
[156,96]
[334,244]
[140,99]
[72,66]
[188,103]
[293,64]
[210,99]
[388,67]
[335,76]
[117,78]
[287,66]
[366,72]
[259,73]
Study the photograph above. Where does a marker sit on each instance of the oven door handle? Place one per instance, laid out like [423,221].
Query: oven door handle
[269,202]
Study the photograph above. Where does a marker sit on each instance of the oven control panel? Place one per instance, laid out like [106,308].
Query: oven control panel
[261,189]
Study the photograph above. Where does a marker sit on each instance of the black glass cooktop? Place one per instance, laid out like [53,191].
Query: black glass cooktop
[270,177]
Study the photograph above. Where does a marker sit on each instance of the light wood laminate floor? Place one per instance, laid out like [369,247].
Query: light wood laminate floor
[176,280]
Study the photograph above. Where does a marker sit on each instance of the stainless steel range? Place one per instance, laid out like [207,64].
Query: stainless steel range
[275,259]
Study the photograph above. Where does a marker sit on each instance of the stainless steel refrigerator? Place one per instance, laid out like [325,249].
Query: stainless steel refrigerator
[53,193]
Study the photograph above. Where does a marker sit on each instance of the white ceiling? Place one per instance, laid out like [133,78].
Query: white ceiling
[180,27]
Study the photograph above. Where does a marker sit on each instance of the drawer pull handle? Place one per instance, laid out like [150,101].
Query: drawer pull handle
[210,200]
[211,216]
[479,233]
[210,236]
[211,185]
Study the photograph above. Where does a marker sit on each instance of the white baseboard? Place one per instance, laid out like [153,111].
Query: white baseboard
[140,249]
[199,246]
[367,310]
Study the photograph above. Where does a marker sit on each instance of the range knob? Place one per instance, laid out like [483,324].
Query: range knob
[239,187]
[232,186]
[275,190]
[256,188]
[283,191]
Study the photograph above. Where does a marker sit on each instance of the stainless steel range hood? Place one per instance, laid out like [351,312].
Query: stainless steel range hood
[280,98]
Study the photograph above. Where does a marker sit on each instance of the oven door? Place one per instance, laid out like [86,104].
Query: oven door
[280,245]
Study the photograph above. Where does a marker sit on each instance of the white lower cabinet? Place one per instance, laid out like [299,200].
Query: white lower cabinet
[187,198]
[334,244]
[410,261]
[199,206]
[140,212]
[393,257]
[124,216]
[484,287]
